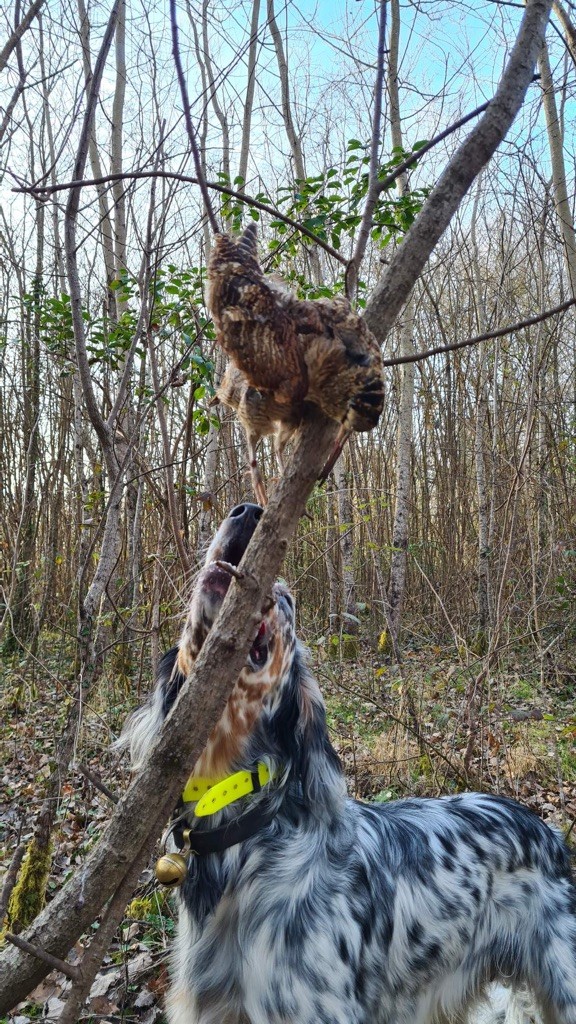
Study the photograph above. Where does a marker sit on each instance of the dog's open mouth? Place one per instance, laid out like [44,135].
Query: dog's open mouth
[215,583]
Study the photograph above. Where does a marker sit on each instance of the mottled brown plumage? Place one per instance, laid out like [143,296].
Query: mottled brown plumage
[286,351]
[260,415]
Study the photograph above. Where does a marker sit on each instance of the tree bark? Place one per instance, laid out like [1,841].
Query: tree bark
[561,201]
[249,101]
[480,447]
[348,623]
[105,231]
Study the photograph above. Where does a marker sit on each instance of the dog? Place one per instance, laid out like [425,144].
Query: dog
[302,906]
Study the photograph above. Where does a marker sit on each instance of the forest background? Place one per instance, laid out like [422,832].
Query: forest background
[435,572]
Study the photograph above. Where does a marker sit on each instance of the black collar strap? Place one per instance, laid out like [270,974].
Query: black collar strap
[216,840]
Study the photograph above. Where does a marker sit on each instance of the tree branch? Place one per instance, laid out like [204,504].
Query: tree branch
[71,215]
[373,183]
[42,192]
[188,121]
[405,267]
[53,963]
[19,32]
[417,357]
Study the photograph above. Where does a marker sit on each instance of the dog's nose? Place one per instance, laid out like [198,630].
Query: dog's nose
[237,530]
[248,513]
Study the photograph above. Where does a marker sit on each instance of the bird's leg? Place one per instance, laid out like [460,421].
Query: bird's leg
[281,438]
[257,481]
[258,484]
[343,435]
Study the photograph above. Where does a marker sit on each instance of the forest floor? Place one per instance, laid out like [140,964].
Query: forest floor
[397,733]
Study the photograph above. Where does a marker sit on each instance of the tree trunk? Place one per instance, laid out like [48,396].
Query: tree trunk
[22,630]
[561,201]
[400,530]
[480,449]
[349,621]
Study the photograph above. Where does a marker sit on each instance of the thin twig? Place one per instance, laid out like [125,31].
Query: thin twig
[414,157]
[54,962]
[188,120]
[229,568]
[41,192]
[97,782]
[511,329]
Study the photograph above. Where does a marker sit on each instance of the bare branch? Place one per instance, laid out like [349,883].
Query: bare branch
[397,282]
[373,183]
[96,781]
[132,831]
[417,357]
[188,120]
[70,235]
[42,192]
[18,33]
[94,955]
[53,963]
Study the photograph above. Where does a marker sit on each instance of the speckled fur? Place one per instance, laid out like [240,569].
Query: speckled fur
[342,912]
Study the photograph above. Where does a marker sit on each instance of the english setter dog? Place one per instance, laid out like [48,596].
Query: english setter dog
[302,906]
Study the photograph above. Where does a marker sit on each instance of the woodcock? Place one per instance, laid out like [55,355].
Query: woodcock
[286,351]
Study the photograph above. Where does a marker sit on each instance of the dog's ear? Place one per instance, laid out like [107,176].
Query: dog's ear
[141,730]
[315,760]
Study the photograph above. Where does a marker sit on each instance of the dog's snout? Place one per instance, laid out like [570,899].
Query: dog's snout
[237,531]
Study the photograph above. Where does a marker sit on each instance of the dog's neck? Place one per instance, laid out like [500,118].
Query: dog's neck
[225,749]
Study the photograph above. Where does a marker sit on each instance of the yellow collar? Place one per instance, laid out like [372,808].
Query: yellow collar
[214,794]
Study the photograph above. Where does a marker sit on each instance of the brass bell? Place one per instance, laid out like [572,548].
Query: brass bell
[171,869]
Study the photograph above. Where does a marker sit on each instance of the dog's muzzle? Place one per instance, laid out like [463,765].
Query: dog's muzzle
[227,549]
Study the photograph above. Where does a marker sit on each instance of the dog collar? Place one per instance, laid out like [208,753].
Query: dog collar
[216,840]
[214,794]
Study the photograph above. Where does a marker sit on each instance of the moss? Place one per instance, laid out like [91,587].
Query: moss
[140,909]
[29,893]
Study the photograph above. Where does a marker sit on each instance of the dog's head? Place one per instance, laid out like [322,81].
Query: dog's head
[275,712]
[272,650]
[274,636]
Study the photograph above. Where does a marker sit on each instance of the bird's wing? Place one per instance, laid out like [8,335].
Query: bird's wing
[345,367]
[252,326]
